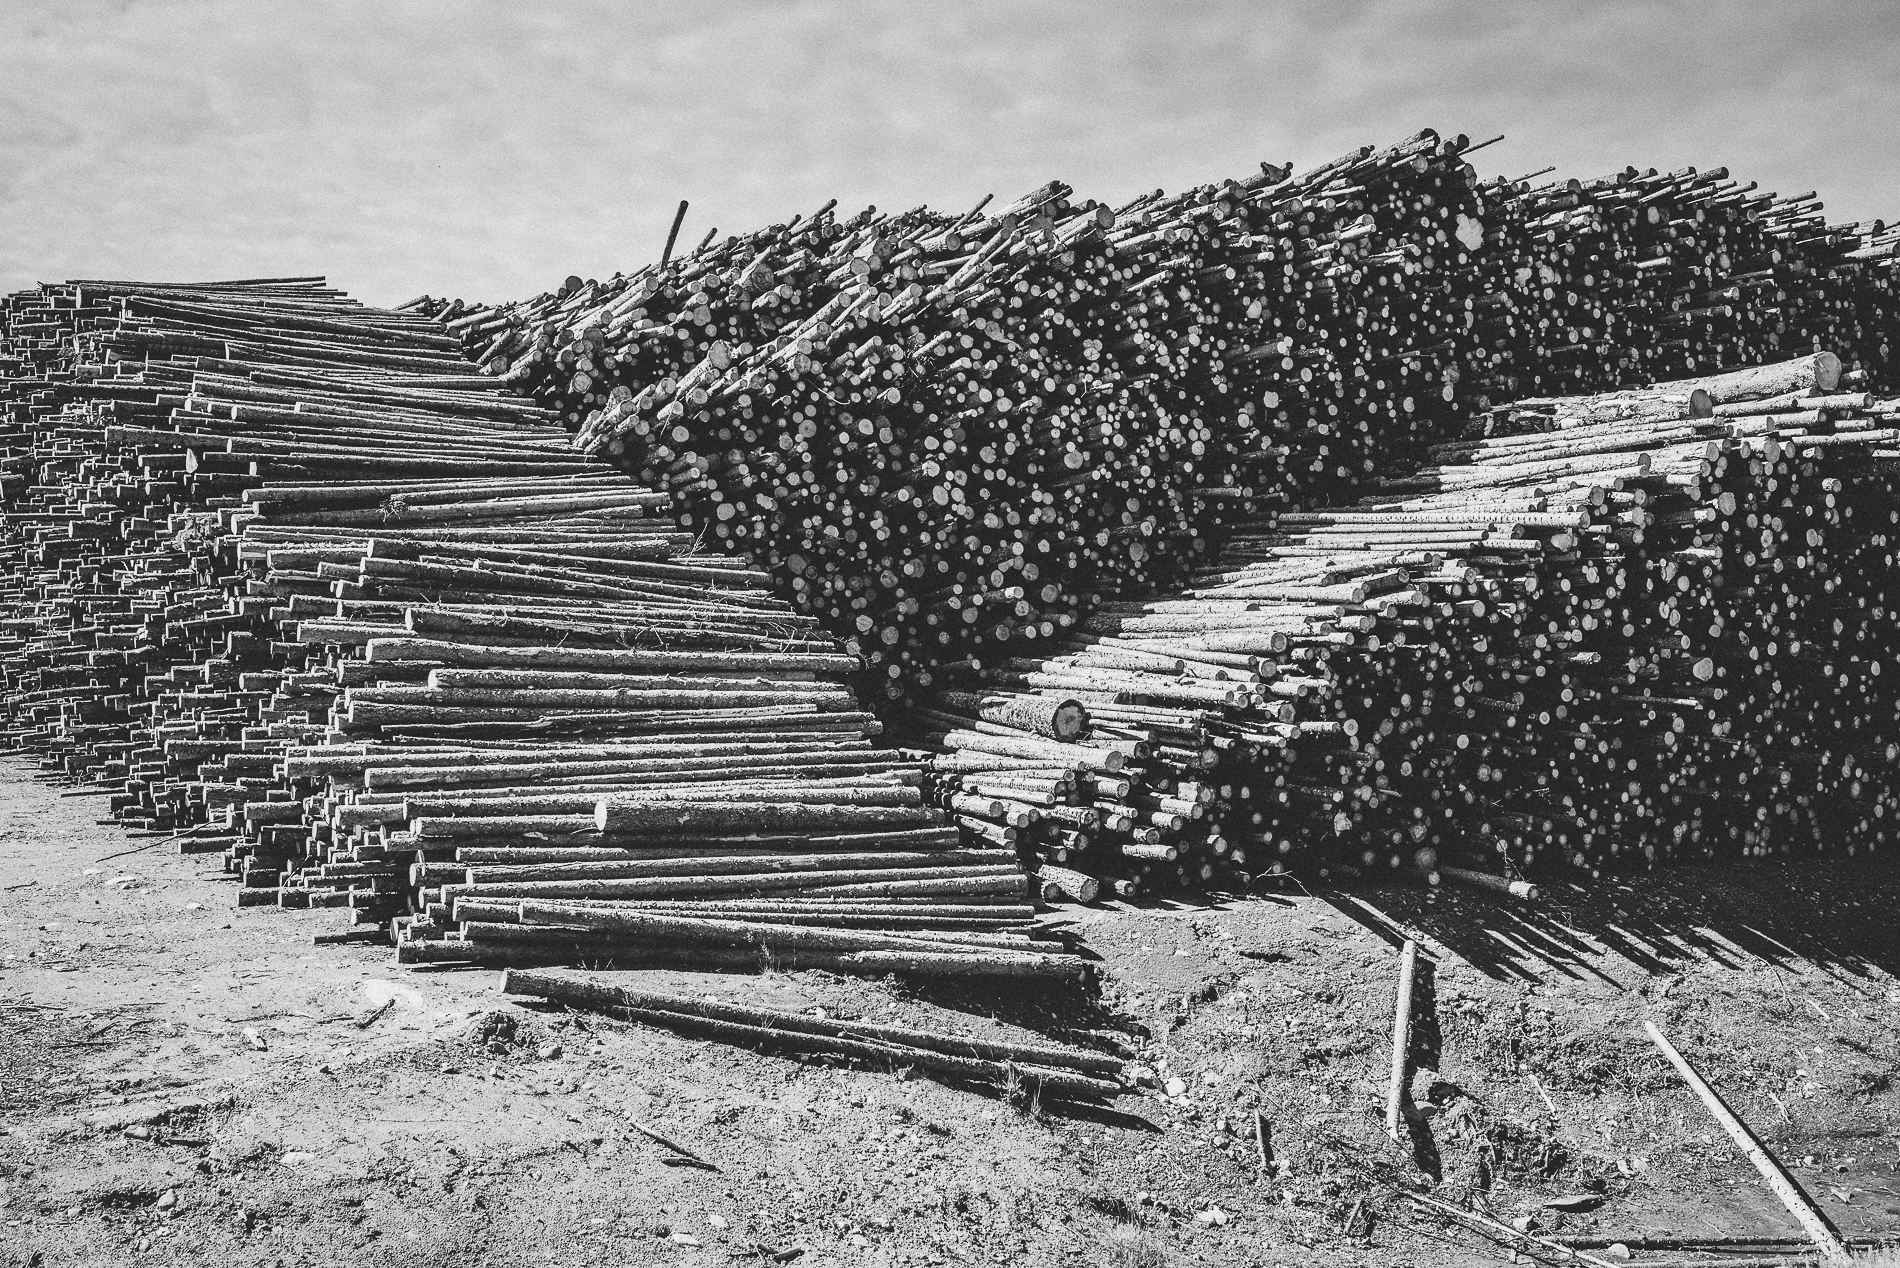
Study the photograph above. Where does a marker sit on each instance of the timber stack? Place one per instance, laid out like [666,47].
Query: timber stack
[980,447]
[1647,276]
[1639,625]
[949,436]
[136,416]
[287,578]
[1178,539]
[946,432]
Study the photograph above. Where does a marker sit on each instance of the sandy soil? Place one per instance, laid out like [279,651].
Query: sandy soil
[185,1082]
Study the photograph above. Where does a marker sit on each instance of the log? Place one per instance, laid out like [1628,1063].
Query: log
[597,995]
[1401,1040]
[1821,1231]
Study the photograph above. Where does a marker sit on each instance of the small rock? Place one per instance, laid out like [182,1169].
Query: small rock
[717,1221]
[1141,1076]
[860,1240]
[168,1199]
[685,1239]
[1210,1078]
[1213,1217]
[549,1051]
[1617,1250]
[1176,1086]
[1429,1089]
[139,1131]
[254,1039]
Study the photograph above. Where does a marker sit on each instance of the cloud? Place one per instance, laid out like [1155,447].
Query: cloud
[490,148]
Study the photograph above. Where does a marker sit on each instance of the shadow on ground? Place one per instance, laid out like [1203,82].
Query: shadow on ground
[1832,914]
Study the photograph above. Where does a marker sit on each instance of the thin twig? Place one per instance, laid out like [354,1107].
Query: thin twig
[677,1148]
[176,836]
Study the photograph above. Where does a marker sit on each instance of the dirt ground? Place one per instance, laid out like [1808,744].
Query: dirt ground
[185,1082]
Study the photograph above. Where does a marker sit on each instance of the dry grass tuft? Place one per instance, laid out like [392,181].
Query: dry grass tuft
[1131,1246]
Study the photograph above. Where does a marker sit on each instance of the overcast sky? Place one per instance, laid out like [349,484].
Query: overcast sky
[488,149]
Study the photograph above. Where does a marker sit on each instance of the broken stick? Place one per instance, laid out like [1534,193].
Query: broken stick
[368,1018]
[1826,1237]
[1505,1234]
[675,1146]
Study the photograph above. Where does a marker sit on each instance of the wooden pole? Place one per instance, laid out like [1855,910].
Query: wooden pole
[673,234]
[1820,1230]
[1401,1039]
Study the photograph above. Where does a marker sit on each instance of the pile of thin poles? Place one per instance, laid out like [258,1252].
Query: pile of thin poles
[949,436]
[285,577]
[1046,1068]
[945,431]
[1361,517]
[1642,625]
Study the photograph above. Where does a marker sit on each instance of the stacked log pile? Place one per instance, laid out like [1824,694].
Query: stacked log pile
[943,432]
[951,434]
[568,739]
[374,629]
[289,575]
[1645,276]
[1115,795]
[1594,634]
[135,416]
